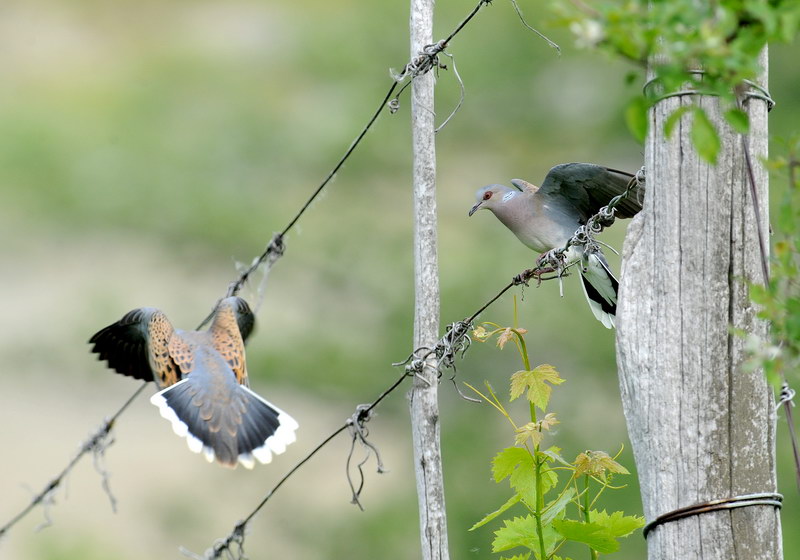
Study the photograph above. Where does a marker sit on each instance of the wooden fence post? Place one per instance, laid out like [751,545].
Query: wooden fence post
[702,426]
[423,398]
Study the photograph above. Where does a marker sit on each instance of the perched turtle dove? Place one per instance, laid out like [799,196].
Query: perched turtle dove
[546,217]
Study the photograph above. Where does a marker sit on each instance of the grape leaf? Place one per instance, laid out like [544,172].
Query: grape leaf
[530,431]
[521,531]
[556,508]
[592,534]
[617,524]
[535,382]
[596,463]
[489,516]
[505,462]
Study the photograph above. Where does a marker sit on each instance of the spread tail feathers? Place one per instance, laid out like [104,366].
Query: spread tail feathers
[247,428]
[600,288]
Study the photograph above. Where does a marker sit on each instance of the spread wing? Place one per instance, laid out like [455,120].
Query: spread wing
[137,346]
[589,187]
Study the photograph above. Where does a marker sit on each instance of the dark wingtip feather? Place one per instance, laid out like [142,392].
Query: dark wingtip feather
[123,346]
[594,295]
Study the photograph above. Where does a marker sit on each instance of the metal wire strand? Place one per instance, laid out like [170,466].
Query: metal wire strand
[751,90]
[551,43]
[746,500]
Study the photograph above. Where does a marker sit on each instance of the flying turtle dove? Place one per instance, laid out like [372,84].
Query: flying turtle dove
[203,380]
[546,217]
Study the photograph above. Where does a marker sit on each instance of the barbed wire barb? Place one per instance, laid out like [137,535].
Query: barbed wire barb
[98,460]
[47,502]
[97,440]
[359,433]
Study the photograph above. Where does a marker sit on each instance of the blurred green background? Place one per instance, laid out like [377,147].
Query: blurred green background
[148,147]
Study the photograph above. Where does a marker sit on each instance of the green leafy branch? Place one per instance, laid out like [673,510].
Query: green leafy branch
[705,47]
[533,473]
[779,301]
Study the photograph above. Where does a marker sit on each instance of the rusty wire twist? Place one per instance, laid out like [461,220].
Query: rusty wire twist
[358,433]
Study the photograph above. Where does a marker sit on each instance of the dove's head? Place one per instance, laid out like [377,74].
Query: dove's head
[492,197]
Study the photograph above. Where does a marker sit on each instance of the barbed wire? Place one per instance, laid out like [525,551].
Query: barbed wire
[453,344]
[456,341]
[97,443]
[423,63]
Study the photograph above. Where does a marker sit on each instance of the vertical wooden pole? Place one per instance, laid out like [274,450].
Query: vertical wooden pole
[702,425]
[423,398]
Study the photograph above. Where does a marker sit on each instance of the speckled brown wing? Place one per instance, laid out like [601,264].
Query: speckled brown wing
[164,367]
[226,337]
[137,346]
[181,351]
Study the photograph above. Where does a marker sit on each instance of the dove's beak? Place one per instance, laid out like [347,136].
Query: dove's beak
[475,208]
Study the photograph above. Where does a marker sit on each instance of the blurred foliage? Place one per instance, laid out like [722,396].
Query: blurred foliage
[148,146]
[779,299]
[779,302]
[708,47]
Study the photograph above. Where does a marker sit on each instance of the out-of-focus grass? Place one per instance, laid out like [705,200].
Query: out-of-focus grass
[148,146]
